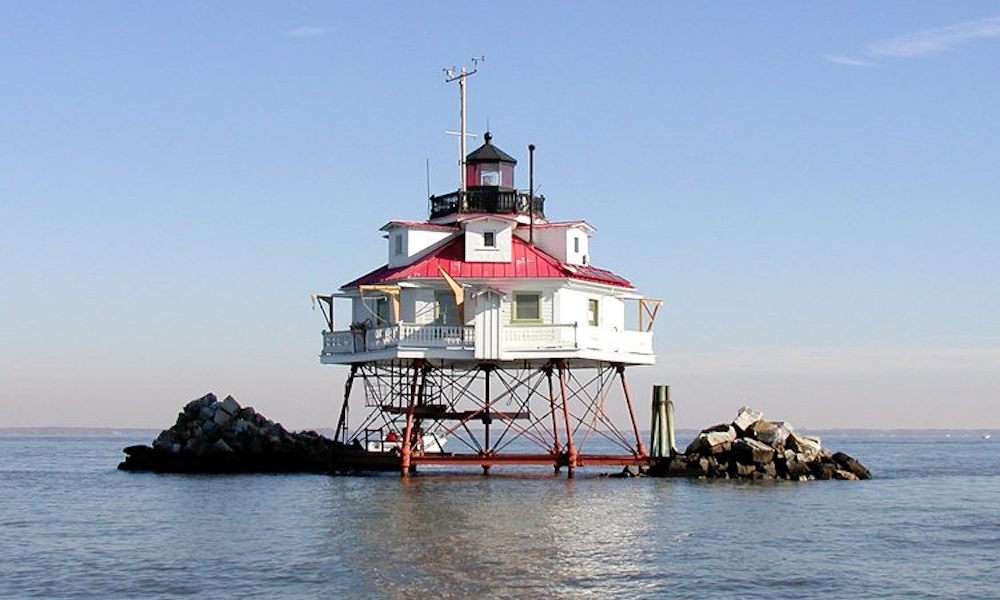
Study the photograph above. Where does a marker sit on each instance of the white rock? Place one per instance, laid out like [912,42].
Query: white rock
[787,426]
[717,438]
[806,445]
[746,417]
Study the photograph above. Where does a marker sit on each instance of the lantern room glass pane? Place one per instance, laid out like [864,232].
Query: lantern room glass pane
[489,178]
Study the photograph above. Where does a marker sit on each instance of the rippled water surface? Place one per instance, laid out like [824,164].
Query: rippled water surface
[73,526]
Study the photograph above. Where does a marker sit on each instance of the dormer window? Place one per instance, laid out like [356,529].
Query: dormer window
[490,239]
[576,245]
[398,241]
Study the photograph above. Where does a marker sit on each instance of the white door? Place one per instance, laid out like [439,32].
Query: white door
[487,326]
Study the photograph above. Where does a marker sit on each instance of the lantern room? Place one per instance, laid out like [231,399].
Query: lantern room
[489,166]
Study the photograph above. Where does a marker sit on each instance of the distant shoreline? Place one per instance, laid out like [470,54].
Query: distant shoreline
[328,432]
[99,431]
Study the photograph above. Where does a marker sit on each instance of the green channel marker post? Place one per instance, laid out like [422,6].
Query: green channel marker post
[662,444]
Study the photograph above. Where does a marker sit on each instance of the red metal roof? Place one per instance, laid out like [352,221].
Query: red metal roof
[528,262]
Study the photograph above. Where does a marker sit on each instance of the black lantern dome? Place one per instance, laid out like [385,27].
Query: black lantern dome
[489,166]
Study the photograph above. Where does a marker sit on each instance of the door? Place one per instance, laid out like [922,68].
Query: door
[487,324]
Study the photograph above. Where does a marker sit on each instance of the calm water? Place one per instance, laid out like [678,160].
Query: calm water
[73,526]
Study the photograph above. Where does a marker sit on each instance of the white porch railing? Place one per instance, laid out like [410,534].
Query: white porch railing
[522,338]
[403,335]
[513,338]
[436,336]
[538,337]
[596,338]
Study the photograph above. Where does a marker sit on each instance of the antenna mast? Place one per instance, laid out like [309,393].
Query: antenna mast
[460,75]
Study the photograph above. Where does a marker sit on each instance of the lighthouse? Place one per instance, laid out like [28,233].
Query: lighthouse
[489,337]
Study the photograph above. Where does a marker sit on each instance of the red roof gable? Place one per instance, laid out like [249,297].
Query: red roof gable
[528,262]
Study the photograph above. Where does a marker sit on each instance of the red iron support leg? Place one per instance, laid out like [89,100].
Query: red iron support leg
[570,447]
[556,446]
[631,413]
[487,419]
[407,447]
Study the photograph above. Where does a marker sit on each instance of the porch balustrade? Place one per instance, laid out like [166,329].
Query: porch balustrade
[513,338]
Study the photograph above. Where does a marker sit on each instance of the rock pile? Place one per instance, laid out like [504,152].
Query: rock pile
[222,437]
[752,447]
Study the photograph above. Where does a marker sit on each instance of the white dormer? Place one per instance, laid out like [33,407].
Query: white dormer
[568,242]
[407,239]
[488,239]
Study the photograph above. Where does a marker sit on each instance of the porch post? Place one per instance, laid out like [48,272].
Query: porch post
[342,421]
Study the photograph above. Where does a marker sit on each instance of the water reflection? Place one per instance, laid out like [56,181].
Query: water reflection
[501,536]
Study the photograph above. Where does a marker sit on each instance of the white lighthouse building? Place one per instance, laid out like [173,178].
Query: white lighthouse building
[478,281]
[489,336]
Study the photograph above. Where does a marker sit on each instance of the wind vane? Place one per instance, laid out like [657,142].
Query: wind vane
[454,74]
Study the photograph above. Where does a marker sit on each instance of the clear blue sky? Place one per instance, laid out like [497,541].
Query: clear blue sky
[813,189]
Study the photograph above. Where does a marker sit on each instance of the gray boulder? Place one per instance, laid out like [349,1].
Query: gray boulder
[797,465]
[844,475]
[721,427]
[221,447]
[712,442]
[851,465]
[230,406]
[772,434]
[808,445]
[749,451]
[221,417]
[165,440]
[194,407]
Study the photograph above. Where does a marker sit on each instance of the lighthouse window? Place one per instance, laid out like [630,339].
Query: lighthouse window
[489,239]
[592,318]
[445,309]
[489,178]
[527,307]
[382,311]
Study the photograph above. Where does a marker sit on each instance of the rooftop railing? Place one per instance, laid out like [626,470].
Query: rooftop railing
[487,200]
